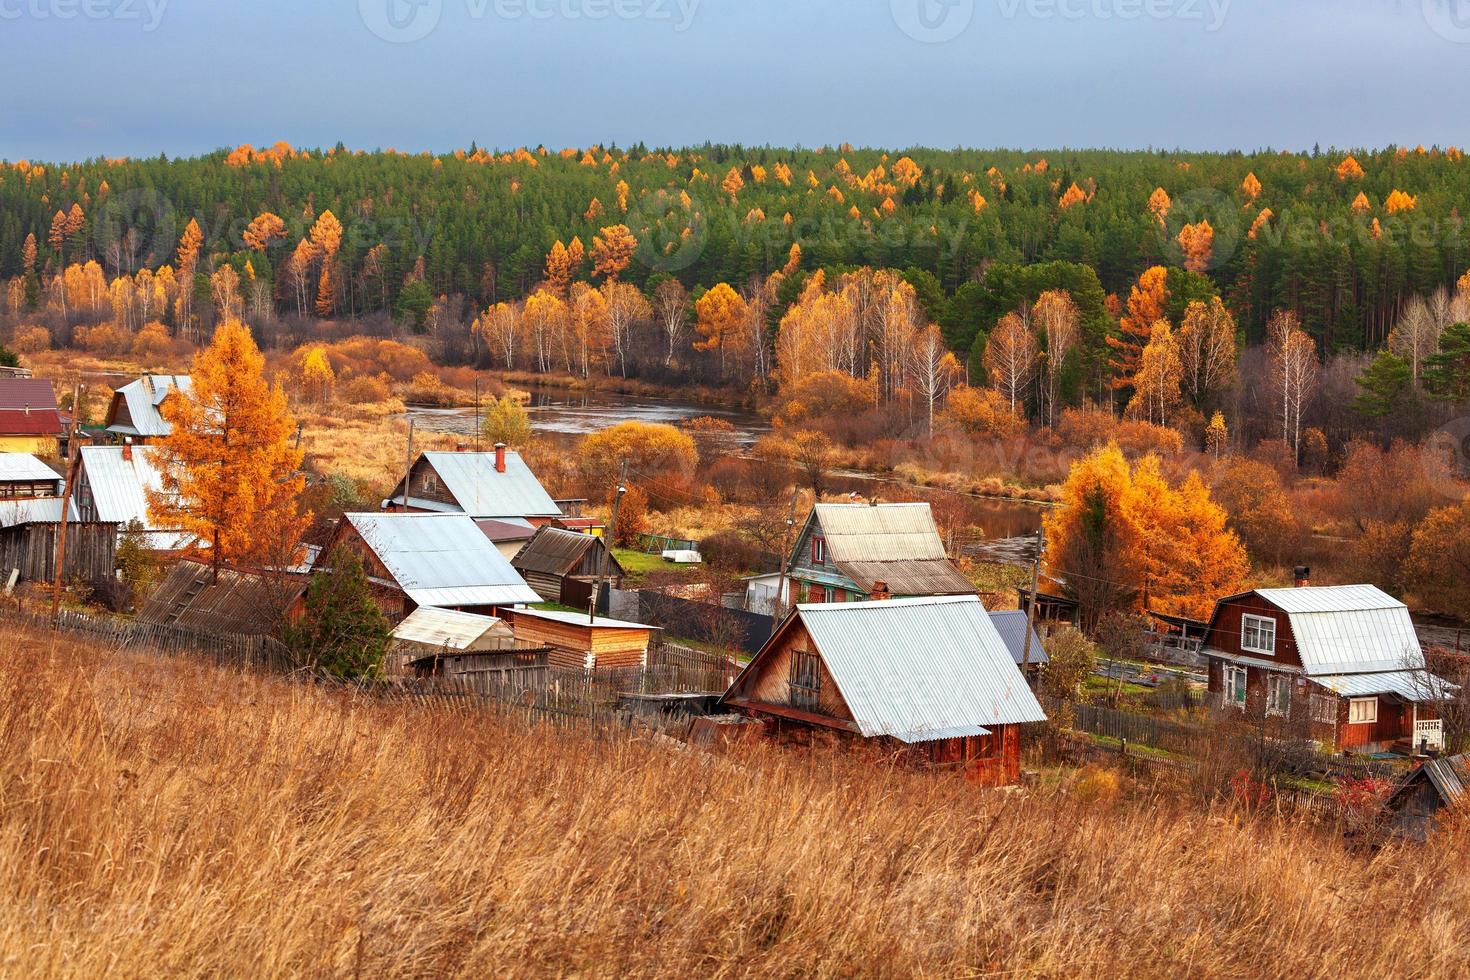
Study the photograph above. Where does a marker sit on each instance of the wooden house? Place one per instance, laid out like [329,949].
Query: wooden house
[448,643]
[1425,794]
[23,476]
[579,641]
[930,676]
[136,409]
[233,601]
[29,531]
[854,551]
[496,485]
[565,566]
[442,560]
[1338,665]
[112,487]
[30,419]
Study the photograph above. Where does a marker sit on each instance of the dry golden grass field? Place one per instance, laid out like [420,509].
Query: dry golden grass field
[164,817]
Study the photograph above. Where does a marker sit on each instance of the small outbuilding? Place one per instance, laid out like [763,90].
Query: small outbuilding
[1013,625]
[582,642]
[565,566]
[433,642]
[1426,793]
[23,475]
[929,676]
[231,601]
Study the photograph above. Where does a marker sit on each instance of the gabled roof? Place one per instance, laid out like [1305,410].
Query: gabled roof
[144,399]
[450,629]
[442,560]
[500,529]
[897,544]
[1345,629]
[243,603]
[482,491]
[28,407]
[580,619]
[915,669]
[25,468]
[119,486]
[1012,625]
[554,551]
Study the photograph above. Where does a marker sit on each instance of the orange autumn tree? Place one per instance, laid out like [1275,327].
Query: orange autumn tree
[1125,539]
[1197,241]
[1146,303]
[720,314]
[231,476]
[612,250]
[1159,205]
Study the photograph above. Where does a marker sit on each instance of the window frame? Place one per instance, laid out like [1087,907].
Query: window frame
[1278,695]
[1355,702]
[429,481]
[1228,673]
[1324,709]
[805,680]
[819,550]
[1255,621]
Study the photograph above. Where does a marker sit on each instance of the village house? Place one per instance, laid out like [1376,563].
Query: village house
[581,642]
[1338,665]
[929,675]
[854,551]
[30,421]
[29,530]
[112,487]
[509,535]
[496,486]
[136,409]
[565,566]
[23,475]
[465,646]
[443,560]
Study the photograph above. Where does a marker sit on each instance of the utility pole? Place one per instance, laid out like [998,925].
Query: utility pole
[1031,606]
[75,452]
[477,415]
[781,603]
[612,535]
[409,471]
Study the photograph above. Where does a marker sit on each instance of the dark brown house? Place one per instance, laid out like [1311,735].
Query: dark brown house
[1339,665]
[495,485]
[564,566]
[929,677]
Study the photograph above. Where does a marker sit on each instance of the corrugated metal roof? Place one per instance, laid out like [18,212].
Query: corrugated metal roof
[34,510]
[1411,685]
[1012,624]
[959,731]
[18,394]
[22,467]
[237,602]
[450,629]
[1360,641]
[1330,598]
[553,551]
[886,532]
[483,492]
[442,560]
[144,398]
[1450,776]
[915,668]
[580,619]
[119,486]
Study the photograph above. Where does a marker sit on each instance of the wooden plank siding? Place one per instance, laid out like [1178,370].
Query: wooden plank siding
[582,645]
[91,551]
[1224,631]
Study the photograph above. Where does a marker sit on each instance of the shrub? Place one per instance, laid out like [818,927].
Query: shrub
[31,339]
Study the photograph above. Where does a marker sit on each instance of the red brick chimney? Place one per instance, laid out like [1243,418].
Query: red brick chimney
[1301,576]
[880,592]
[500,457]
[128,448]
[461,447]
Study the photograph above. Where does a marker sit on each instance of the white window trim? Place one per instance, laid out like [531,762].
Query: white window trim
[1258,621]
[1353,702]
[1278,682]
[1228,675]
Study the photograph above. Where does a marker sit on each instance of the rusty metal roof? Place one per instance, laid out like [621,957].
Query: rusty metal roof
[554,551]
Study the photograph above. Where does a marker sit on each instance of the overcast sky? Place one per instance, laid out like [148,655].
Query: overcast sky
[140,77]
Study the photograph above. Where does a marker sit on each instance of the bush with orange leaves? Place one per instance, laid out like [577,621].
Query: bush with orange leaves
[1089,428]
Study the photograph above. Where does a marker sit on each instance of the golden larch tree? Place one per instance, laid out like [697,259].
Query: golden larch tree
[1147,301]
[231,475]
[1250,187]
[1197,241]
[1349,169]
[1157,385]
[612,250]
[719,317]
[1159,205]
[264,229]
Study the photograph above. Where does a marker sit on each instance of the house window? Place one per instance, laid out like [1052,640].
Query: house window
[430,481]
[806,680]
[819,551]
[1324,710]
[1278,694]
[1258,635]
[829,594]
[1363,711]
[1235,686]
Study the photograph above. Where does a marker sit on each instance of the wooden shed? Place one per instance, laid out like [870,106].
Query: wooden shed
[579,641]
[1425,793]
[448,643]
[562,566]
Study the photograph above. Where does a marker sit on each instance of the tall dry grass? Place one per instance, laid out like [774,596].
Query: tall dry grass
[160,816]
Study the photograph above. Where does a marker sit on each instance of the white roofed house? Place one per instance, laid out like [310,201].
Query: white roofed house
[442,560]
[136,409]
[112,486]
[930,675]
[1339,665]
[495,485]
[23,475]
[848,552]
